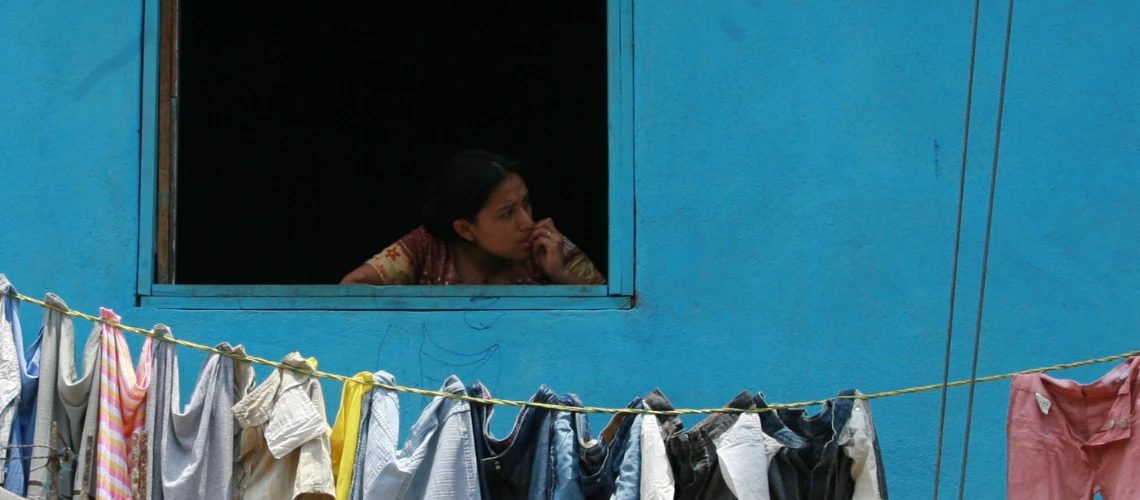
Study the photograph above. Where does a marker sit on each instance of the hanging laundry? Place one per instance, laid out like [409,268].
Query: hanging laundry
[245,380]
[789,477]
[121,438]
[10,381]
[517,467]
[822,461]
[569,427]
[860,443]
[437,461]
[383,427]
[628,482]
[191,451]
[64,399]
[1068,440]
[656,473]
[614,460]
[697,456]
[285,448]
[356,492]
[609,467]
[741,451]
[346,430]
[24,426]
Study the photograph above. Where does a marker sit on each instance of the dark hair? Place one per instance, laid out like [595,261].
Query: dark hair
[461,189]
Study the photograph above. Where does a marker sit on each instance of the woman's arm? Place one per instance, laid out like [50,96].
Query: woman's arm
[363,275]
[580,271]
[392,266]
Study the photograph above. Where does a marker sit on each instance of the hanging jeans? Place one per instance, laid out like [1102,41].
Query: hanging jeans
[518,466]
[693,457]
[602,457]
[569,429]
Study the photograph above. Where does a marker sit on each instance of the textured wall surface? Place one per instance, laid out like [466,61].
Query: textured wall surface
[797,186]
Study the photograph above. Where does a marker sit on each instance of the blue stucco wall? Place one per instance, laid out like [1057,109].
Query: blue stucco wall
[797,184]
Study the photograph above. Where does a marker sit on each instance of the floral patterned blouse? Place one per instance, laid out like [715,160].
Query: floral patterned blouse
[422,259]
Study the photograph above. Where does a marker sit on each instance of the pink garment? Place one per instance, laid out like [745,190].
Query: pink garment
[122,413]
[1069,441]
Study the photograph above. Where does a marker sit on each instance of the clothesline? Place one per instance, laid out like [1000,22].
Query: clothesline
[550,406]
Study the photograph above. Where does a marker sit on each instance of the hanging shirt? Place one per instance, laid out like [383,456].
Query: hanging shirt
[63,399]
[346,430]
[383,432]
[10,381]
[284,447]
[438,460]
[122,414]
[24,425]
[191,451]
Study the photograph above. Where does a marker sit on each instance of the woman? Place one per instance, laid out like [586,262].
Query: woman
[478,229]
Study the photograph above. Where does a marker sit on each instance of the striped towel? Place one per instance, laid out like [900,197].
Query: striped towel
[122,410]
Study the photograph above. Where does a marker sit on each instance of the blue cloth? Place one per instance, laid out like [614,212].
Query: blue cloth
[602,459]
[568,429]
[437,461]
[356,491]
[520,466]
[629,470]
[24,427]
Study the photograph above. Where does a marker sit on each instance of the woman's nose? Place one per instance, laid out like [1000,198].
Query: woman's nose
[526,222]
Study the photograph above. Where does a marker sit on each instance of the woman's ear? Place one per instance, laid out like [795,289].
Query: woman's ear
[463,229]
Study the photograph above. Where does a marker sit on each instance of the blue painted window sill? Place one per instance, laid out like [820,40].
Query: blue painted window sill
[383,298]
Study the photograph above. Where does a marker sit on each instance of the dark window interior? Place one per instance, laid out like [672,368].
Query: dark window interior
[307,131]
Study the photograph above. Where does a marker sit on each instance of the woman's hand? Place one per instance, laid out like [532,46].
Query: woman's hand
[547,245]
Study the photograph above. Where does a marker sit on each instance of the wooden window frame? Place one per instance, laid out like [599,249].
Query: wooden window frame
[158,174]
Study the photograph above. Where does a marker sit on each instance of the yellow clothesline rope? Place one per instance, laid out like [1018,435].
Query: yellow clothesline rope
[535,404]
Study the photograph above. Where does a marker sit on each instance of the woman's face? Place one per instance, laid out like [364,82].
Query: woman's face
[504,225]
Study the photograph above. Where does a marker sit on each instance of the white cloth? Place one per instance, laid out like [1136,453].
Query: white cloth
[744,457]
[656,473]
[858,442]
[284,416]
[10,382]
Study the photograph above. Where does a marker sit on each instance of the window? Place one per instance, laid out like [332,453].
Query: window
[283,146]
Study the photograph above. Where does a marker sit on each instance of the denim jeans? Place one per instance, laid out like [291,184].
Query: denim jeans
[569,427]
[520,465]
[789,475]
[828,474]
[693,456]
[602,458]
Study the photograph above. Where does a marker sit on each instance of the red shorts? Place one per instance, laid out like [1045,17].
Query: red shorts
[1069,441]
